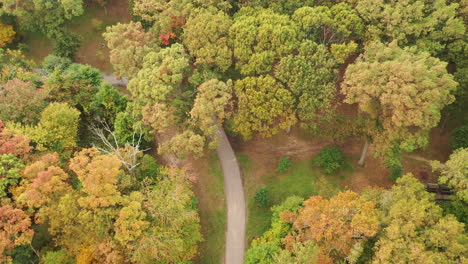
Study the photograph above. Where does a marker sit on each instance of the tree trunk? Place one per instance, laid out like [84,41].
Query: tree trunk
[364,153]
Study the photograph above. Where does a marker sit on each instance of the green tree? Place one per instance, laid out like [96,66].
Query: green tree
[415,230]
[184,144]
[337,24]
[107,103]
[165,72]
[280,6]
[264,106]
[10,167]
[57,257]
[206,38]
[260,37]
[310,76]
[402,91]
[427,24]
[128,44]
[455,172]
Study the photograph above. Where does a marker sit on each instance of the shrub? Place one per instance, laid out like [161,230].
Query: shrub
[284,164]
[53,62]
[261,197]
[97,24]
[330,159]
[459,138]
[393,162]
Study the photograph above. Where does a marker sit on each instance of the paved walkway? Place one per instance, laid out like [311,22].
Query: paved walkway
[235,234]
[236,216]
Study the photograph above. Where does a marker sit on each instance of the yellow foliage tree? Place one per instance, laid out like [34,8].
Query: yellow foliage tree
[7,34]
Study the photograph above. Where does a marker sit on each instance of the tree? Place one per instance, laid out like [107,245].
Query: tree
[455,172]
[175,224]
[99,175]
[333,224]
[128,44]
[281,6]
[427,24]
[13,144]
[15,229]
[337,24]
[459,137]
[7,34]
[415,230]
[10,167]
[183,144]
[57,128]
[43,183]
[52,62]
[107,103]
[66,44]
[21,101]
[206,38]
[310,76]
[264,106]
[402,91]
[300,254]
[165,72]
[212,106]
[260,37]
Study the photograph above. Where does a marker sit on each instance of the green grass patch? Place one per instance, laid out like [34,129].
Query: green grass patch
[301,180]
[212,211]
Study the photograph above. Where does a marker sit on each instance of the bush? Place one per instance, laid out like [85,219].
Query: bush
[459,138]
[284,164]
[97,24]
[66,44]
[53,62]
[261,197]
[330,159]
[393,162]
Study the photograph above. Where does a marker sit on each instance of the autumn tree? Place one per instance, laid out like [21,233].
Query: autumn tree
[175,224]
[280,6]
[7,34]
[402,91]
[264,106]
[21,101]
[212,106]
[427,24]
[99,175]
[15,230]
[334,224]
[184,144]
[415,230]
[310,77]
[165,72]
[128,44]
[206,38]
[326,25]
[260,37]
[455,172]
[43,183]
[13,144]
[10,167]
[57,128]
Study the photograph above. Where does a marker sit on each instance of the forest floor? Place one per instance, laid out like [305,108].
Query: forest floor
[91,50]
[259,159]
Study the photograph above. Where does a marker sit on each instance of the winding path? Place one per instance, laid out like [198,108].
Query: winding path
[236,213]
[236,216]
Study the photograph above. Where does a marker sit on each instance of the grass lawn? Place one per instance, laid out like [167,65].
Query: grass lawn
[212,209]
[91,51]
[303,179]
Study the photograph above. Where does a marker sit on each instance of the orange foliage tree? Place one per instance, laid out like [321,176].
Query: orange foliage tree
[335,225]
[15,230]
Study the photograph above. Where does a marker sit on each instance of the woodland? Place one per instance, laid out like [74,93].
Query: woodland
[93,172]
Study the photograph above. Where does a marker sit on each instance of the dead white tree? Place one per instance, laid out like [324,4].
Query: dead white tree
[127,154]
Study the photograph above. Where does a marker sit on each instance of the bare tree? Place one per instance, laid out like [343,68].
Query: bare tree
[127,154]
